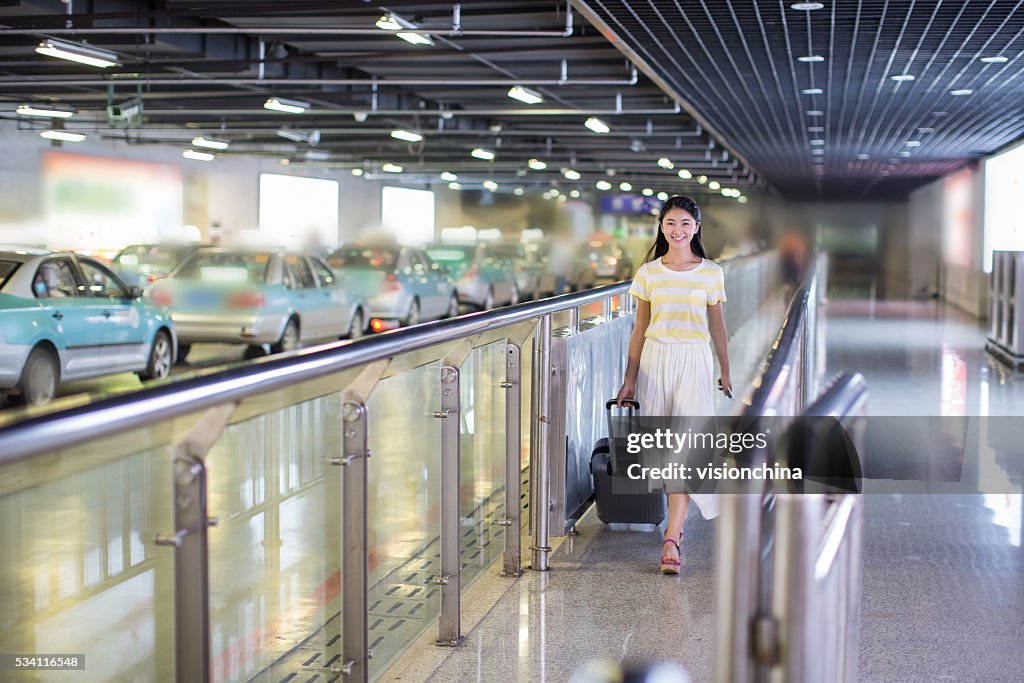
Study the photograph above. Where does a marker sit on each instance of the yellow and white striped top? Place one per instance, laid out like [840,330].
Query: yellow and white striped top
[679,300]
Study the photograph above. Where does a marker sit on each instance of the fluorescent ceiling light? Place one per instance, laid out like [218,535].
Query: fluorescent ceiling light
[62,135]
[817,142]
[806,6]
[317,155]
[597,125]
[812,91]
[209,143]
[406,135]
[293,135]
[625,187]
[415,38]
[900,78]
[285,105]
[684,174]
[454,186]
[536,164]
[525,95]
[961,92]
[815,112]
[481,153]
[388,22]
[391,168]
[570,174]
[519,192]
[197,156]
[713,185]
[358,172]
[603,185]
[44,110]
[391,22]
[862,156]
[994,60]
[490,185]
[663,196]
[810,59]
[819,150]
[913,143]
[815,129]
[666,163]
[904,154]
[647,192]
[450,177]
[702,179]
[77,53]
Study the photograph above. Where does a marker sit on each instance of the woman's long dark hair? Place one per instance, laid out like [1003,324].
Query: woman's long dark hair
[660,246]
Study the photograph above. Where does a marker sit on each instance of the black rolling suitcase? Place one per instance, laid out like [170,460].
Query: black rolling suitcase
[630,501]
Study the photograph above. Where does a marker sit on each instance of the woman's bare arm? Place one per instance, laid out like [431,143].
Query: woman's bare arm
[720,340]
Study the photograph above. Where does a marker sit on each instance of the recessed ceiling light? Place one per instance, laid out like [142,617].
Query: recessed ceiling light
[449,176]
[666,163]
[900,78]
[961,92]
[45,111]
[596,125]
[862,156]
[741,199]
[73,52]
[357,172]
[407,135]
[994,60]
[285,105]
[702,179]
[625,187]
[536,164]
[571,174]
[812,91]
[481,153]
[663,196]
[391,168]
[62,135]
[519,192]
[806,6]
[197,156]
[815,112]
[726,192]
[490,185]
[684,174]
[714,185]
[817,142]
[904,154]
[815,129]
[926,130]
[647,192]
[913,143]
[817,151]
[209,143]
[525,95]
[575,194]
[603,185]
[454,186]
[284,162]
[810,59]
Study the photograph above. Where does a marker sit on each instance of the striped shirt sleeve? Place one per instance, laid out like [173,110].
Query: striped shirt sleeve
[717,292]
[639,288]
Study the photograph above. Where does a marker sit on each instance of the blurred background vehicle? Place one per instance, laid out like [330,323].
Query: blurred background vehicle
[606,260]
[65,317]
[402,285]
[533,274]
[257,298]
[483,279]
[142,264]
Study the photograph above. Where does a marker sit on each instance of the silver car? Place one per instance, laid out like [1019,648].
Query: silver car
[257,298]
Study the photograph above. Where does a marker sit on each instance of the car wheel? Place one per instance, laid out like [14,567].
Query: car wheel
[358,328]
[38,378]
[414,314]
[160,359]
[453,307]
[289,338]
[183,350]
[488,300]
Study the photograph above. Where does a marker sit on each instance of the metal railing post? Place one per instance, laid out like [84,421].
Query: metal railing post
[512,559]
[355,648]
[606,308]
[540,504]
[449,626]
[574,320]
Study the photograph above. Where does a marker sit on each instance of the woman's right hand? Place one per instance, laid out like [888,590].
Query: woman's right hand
[627,391]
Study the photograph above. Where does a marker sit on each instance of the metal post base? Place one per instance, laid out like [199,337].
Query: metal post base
[450,643]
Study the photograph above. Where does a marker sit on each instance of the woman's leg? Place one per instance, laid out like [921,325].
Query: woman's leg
[678,503]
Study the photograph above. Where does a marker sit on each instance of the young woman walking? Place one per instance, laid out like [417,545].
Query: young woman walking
[679,292]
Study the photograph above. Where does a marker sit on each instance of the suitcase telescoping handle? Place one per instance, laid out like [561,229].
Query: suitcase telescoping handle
[632,406]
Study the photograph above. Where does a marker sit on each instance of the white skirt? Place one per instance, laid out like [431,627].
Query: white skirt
[677,380]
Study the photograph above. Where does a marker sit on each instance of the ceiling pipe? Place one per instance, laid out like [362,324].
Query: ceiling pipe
[444,114]
[477,82]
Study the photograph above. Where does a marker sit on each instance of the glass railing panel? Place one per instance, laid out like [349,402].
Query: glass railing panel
[77,529]
[404,510]
[482,459]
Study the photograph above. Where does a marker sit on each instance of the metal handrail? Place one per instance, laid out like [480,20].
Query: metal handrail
[841,398]
[106,417]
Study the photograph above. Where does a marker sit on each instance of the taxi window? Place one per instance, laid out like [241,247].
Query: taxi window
[55,279]
[7,269]
[225,267]
[99,282]
[325,274]
[367,257]
[300,270]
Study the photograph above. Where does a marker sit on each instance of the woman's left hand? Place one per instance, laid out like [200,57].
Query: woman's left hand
[725,384]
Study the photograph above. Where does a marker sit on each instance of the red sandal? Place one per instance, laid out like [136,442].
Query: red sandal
[671,565]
